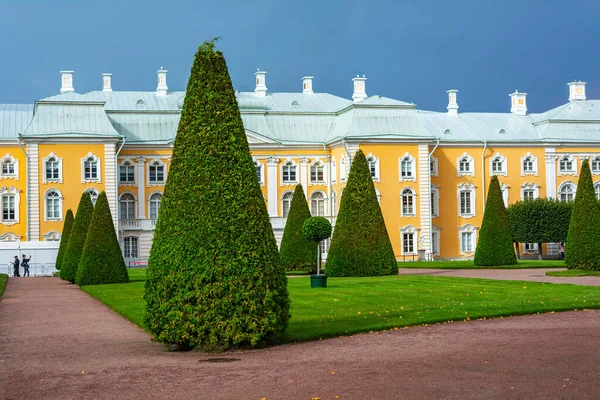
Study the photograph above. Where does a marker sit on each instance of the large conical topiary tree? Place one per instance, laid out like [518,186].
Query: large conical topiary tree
[360,245]
[70,262]
[495,245]
[582,249]
[64,238]
[297,253]
[214,279]
[101,260]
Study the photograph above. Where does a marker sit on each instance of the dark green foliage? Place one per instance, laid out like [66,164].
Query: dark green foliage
[101,260]
[214,279]
[297,253]
[495,245]
[316,229]
[64,238]
[70,262]
[539,220]
[582,249]
[360,245]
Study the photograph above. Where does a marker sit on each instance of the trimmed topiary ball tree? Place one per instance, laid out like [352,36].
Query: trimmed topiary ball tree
[297,253]
[495,245]
[360,245]
[316,229]
[214,279]
[64,238]
[101,260]
[70,262]
[582,249]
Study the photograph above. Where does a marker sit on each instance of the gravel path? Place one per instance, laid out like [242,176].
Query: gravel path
[56,342]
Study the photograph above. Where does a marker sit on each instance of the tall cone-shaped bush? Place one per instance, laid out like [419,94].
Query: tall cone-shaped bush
[297,253]
[64,238]
[101,260]
[360,245]
[70,262]
[495,244]
[214,279]
[582,249]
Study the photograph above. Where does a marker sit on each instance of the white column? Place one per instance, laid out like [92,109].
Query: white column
[33,202]
[550,173]
[110,177]
[141,184]
[424,197]
[303,172]
[272,185]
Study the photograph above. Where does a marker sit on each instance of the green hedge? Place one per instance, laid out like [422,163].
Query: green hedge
[540,220]
[70,262]
[214,279]
[360,245]
[297,253]
[495,245]
[64,238]
[101,260]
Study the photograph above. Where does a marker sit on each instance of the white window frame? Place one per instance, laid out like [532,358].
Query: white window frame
[470,188]
[410,197]
[46,205]
[435,201]
[433,166]
[468,228]
[156,162]
[15,163]
[504,189]
[530,248]
[534,165]
[501,160]
[98,178]
[290,163]
[531,187]
[10,191]
[595,161]
[334,204]
[135,206]
[597,189]
[152,200]
[435,240]
[313,198]
[562,187]
[407,158]
[286,198]
[342,169]
[316,165]
[409,230]
[260,174]
[52,236]
[58,160]
[468,159]
[567,158]
[133,165]
[374,171]
[137,247]
[94,193]
[333,171]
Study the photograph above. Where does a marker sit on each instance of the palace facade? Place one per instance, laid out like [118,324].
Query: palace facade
[431,170]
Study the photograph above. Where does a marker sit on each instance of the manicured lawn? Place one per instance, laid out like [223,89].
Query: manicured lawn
[352,305]
[468,264]
[3,280]
[573,272]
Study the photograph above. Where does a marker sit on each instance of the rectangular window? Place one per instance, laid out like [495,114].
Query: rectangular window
[596,165]
[566,165]
[465,202]
[8,208]
[527,166]
[406,169]
[408,244]
[466,242]
[52,170]
[127,209]
[497,166]
[528,194]
[464,166]
[434,212]
[130,247]
[530,247]
[157,173]
[91,170]
[126,174]
[8,168]
[52,208]
[434,239]
[316,173]
[258,170]
[289,173]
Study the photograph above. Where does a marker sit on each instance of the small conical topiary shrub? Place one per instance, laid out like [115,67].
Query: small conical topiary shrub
[64,238]
[101,260]
[495,245]
[360,245]
[582,249]
[70,262]
[214,279]
[297,253]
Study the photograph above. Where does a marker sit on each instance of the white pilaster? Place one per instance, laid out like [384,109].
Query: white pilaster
[34,192]
[110,176]
[550,172]
[424,198]
[272,183]
[141,184]
[304,175]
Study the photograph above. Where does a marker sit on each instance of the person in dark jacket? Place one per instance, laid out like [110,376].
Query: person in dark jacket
[25,264]
[16,267]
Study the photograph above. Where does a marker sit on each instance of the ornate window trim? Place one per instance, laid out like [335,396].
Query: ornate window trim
[504,189]
[52,236]
[132,163]
[45,168]
[156,162]
[9,237]
[410,230]
[595,161]
[467,228]
[503,164]
[343,169]
[470,188]
[15,164]
[94,193]
[374,170]
[435,201]
[316,163]
[11,191]
[60,205]
[465,157]
[289,162]
[286,196]
[562,190]
[313,197]
[135,204]
[333,170]
[433,166]
[406,157]
[260,174]
[150,200]
[90,157]
[410,197]
[563,171]
[534,162]
[530,186]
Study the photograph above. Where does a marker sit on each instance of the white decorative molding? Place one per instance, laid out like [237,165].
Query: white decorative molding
[595,165]
[433,166]
[468,162]
[343,169]
[435,245]
[333,170]
[10,191]
[111,186]
[60,205]
[133,164]
[156,162]
[550,158]
[33,198]
[504,189]
[289,162]
[529,158]
[500,160]
[371,159]
[435,197]
[45,161]
[92,158]
[532,187]
[410,230]
[410,163]
[470,189]
[272,202]
[317,162]
[52,236]
[564,162]
[411,198]
[9,237]
[140,171]
[467,228]
[12,163]
[261,178]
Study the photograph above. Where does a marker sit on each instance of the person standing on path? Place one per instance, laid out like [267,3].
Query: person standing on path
[16,267]
[25,264]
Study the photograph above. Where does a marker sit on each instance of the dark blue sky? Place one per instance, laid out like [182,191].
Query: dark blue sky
[411,50]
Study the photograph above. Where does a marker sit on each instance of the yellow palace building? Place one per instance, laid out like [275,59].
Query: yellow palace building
[431,169]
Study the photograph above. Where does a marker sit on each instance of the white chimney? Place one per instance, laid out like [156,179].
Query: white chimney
[518,103]
[162,88]
[452,104]
[261,86]
[577,91]
[307,84]
[66,81]
[106,82]
[359,89]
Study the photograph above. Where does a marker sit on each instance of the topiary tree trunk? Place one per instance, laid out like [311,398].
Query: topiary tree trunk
[64,238]
[297,253]
[214,278]
[582,249]
[360,245]
[495,244]
[70,262]
[101,260]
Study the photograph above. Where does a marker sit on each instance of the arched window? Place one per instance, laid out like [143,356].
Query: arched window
[317,204]
[286,202]
[93,195]
[52,170]
[10,167]
[288,172]
[316,172]
[372,166]
[408,202]
[407,170]
[566,192]
[334,206]
[464,165]
[126,173]
[155,200]
[127,206]
[53,201]
[466,200]
[498,165]
[156,172]
[527,164]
